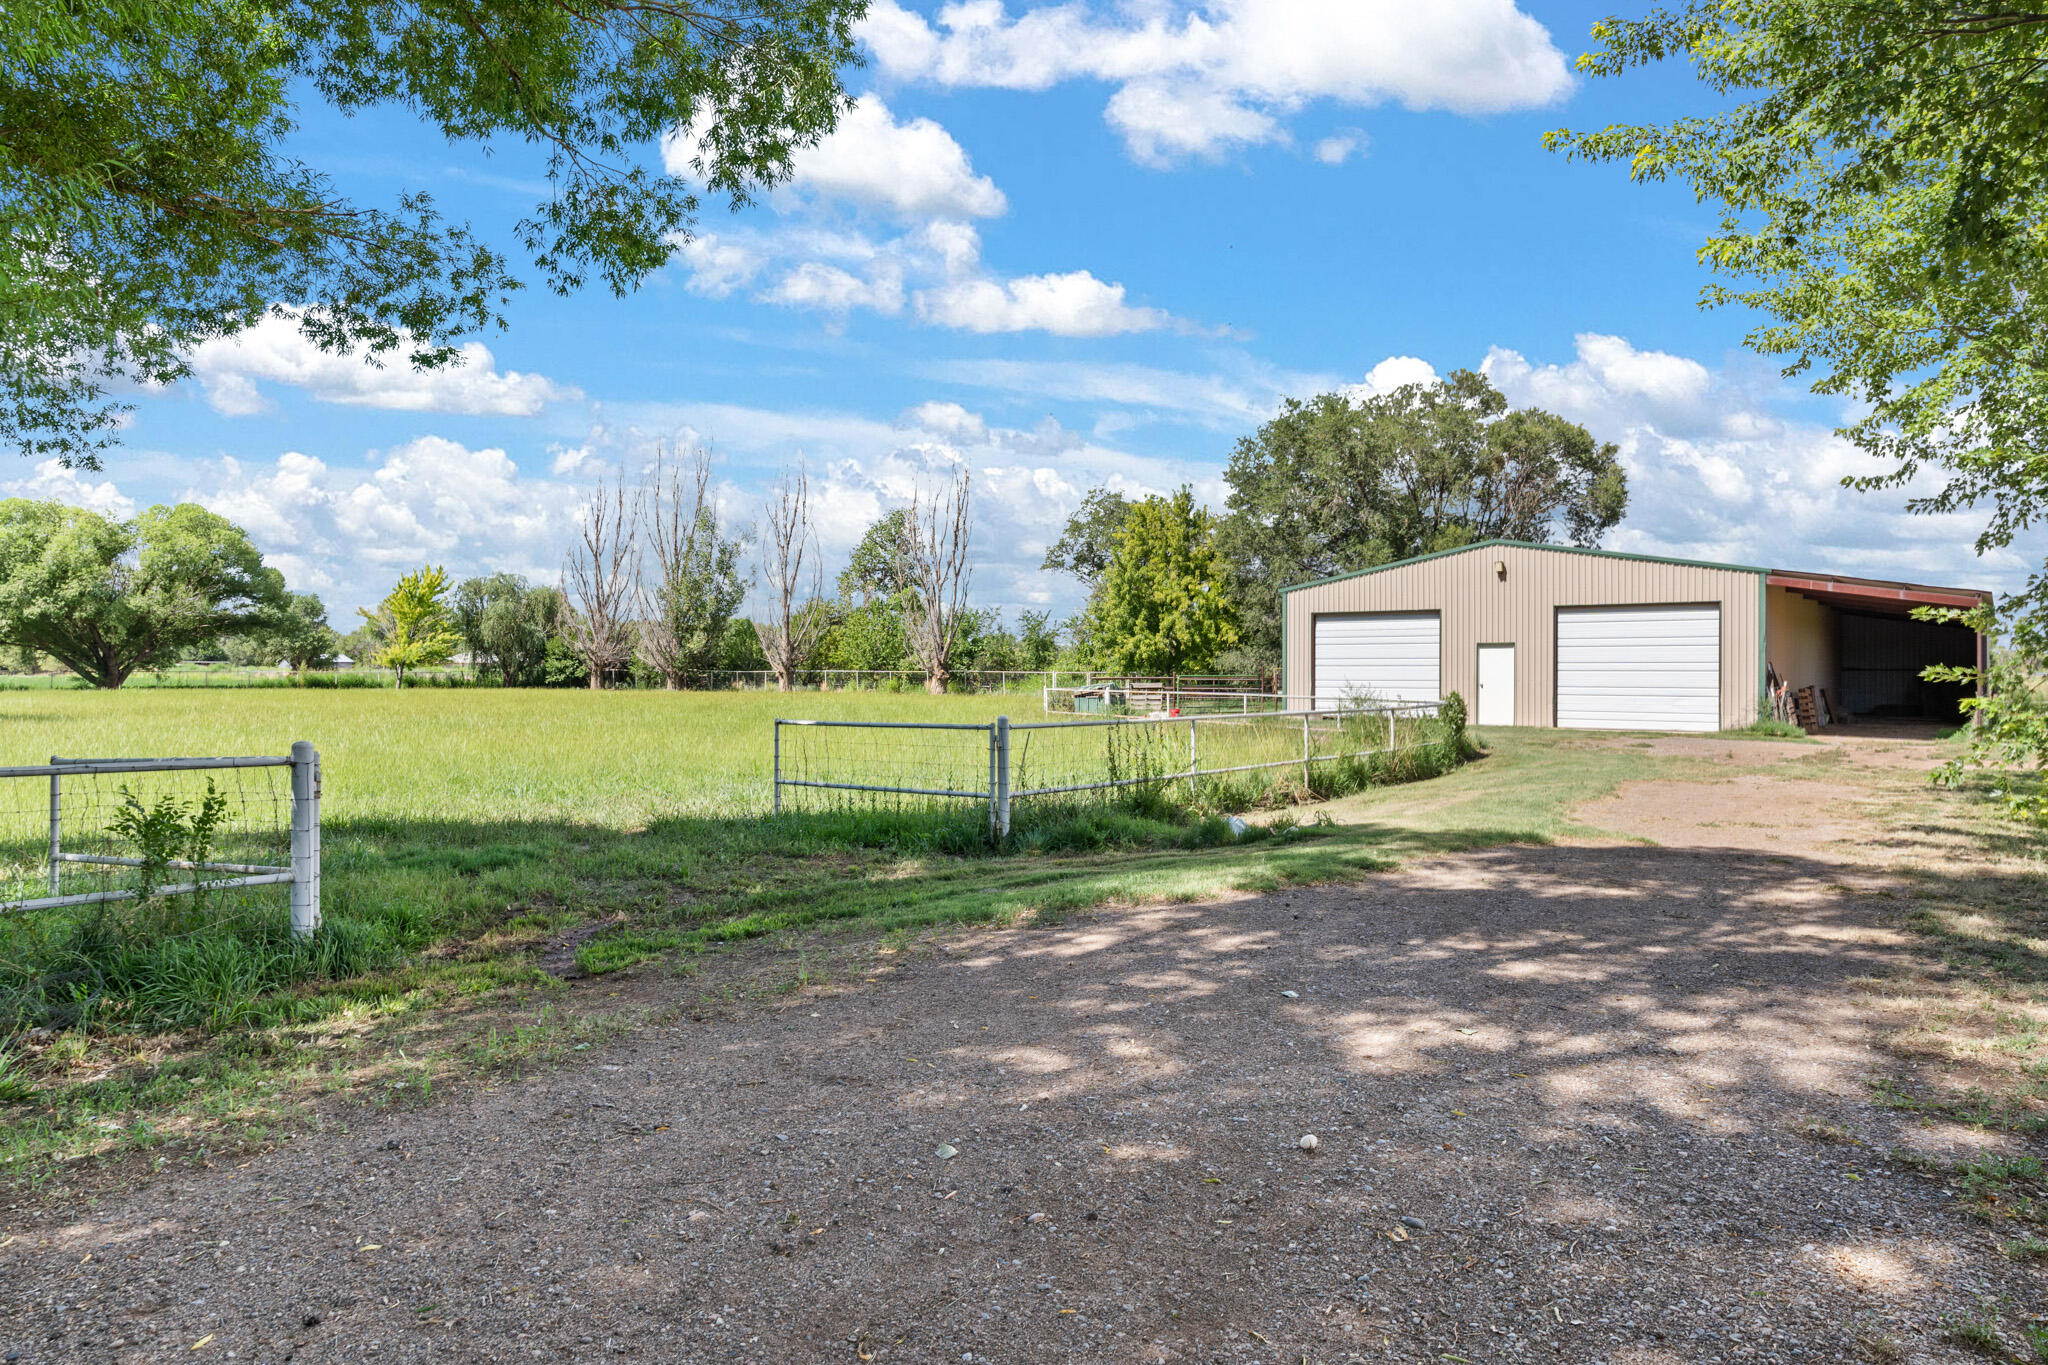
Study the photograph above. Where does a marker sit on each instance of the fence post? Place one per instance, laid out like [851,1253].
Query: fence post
[56,815]
[305,839]
[1304,751]
[1393,736]
[1194,754]
[778,767]
[1000,789]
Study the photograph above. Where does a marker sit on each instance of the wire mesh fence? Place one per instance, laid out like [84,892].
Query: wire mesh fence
[81,834]
[107,866]
[1000,767]
[881,765]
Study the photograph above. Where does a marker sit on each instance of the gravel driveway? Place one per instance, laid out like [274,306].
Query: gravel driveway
[1560,1096]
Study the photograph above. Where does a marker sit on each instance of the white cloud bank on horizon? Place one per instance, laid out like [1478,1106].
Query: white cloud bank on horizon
[1201,79]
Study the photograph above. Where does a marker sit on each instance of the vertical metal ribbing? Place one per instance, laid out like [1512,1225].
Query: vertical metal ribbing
[56,820]
[1002,777]
[305,840]
[778,767]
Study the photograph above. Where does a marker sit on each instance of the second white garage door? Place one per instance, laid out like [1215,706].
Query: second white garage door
[1383,656]
[1639,668]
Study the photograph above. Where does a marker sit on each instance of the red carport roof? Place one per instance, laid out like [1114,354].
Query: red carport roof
[1873,593]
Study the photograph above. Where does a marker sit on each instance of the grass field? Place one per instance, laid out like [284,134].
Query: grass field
[465,831]
[479,842]
[614,760]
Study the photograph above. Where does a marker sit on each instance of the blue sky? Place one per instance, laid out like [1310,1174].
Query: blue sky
[1066,246]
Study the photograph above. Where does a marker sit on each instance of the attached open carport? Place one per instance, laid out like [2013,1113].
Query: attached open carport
[1855,639]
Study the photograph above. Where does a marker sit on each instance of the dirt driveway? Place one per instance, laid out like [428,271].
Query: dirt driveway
[1586,1104]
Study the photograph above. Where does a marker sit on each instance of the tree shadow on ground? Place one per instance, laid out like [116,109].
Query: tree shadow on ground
[1587,1104]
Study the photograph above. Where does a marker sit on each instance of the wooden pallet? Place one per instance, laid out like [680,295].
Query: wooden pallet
[1806,708]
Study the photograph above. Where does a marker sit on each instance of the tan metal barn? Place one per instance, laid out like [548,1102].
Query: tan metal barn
[1594,639]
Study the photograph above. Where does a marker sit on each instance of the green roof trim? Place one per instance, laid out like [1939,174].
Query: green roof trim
[1526,545]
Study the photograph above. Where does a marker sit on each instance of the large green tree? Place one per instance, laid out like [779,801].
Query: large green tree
[869,636]
[506,623]
[875,569]
[152,193]
[106,597]
[297,634]
[414,625]
[1038,643]
[1336,484]
[1086,543]
[697,579]
[1163,604]
[1879,171]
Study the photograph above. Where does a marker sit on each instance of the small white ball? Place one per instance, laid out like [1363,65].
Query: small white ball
[1308,1142]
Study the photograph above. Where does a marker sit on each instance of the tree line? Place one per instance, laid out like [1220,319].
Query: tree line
[651,588]
[649,594]
[1330,485]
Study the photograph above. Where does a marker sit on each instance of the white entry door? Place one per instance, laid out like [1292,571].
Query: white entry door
[1639,668]
[1377,656]
[1496,685]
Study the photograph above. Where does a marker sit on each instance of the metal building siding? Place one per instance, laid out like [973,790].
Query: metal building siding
[1481,609]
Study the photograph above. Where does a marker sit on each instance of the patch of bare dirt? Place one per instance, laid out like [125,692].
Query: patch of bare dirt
[1744,751]
[558,955]
[1565,1102]
[1763,814]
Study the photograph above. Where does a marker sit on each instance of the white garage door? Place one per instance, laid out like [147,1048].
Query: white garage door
[1384,656]
[1639,668]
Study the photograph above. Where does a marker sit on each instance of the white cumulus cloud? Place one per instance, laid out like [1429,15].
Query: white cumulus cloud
[1196,77]
[349,531]
[1716,472]
[1075,304]
[230,370]
[719,265]
[936,268]
[1338,148]
[1390,374]
[830,289]
[912,168]
[53,482]
[925,250]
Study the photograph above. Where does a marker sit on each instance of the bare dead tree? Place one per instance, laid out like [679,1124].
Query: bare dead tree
[694,583]
[935,569]
[794,574]
[601,581]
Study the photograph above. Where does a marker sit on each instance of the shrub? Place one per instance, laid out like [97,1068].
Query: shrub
[1450,718]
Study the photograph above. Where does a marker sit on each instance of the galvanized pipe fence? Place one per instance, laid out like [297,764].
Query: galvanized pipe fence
[71,777]
[1151,698]
[1003,762]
